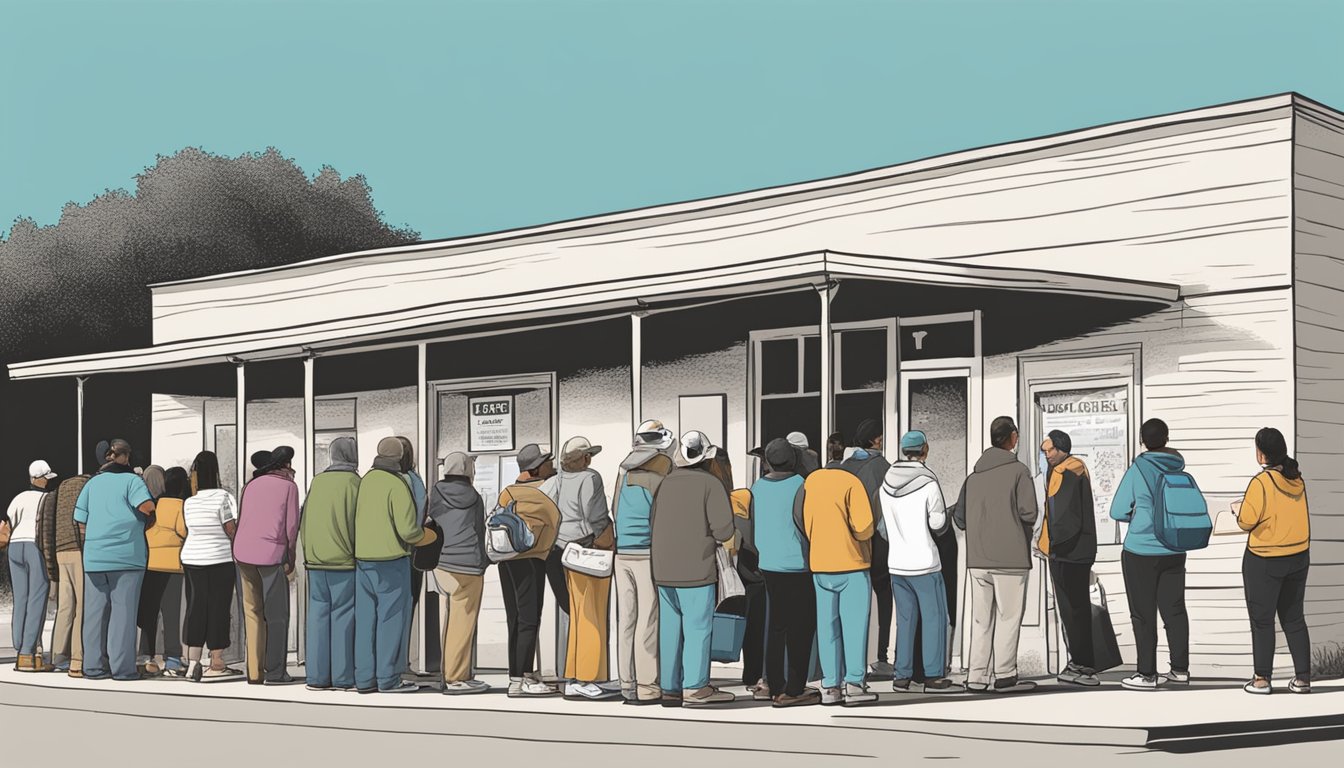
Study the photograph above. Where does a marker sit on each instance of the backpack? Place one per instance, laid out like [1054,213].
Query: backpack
[506,534]
[1181,519]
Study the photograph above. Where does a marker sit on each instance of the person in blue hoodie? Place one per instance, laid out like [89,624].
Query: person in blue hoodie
[1154,574]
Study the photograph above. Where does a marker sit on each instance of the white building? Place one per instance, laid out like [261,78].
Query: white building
[1188,267]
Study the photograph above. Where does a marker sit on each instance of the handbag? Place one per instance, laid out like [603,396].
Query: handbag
[730,583]
[586,560]
[1105,648]
[426,558]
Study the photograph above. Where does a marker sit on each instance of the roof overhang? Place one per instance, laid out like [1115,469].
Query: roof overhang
[593,299]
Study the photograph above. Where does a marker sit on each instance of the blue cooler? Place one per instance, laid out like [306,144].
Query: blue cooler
[727,634]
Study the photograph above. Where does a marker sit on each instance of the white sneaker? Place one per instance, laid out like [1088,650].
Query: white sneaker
[1261,690]
[402,688]
[1180,678]
[530,687]
[1137,682]
[589,692]
[858,694]
[465,686]
[831,697]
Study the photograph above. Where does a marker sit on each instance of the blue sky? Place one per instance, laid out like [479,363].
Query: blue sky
[476,115]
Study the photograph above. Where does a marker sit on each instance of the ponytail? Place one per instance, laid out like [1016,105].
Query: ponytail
[1269,441]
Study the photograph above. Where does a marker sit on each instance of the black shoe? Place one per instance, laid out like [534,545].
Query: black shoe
[1013,685]
[900,686]
[645,702]
[672,700]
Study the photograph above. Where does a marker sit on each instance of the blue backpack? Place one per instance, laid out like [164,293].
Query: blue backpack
[506,534]
[1180,514]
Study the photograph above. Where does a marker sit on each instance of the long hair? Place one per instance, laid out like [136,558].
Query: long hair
[407,454]
[205,471]
[1270,442]
[154,480]
[176,484]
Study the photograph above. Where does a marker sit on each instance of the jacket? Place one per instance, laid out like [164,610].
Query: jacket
[1274,512]
[459,510]
[538,512]
[166,535]
[691,516]
[67,532]
[387,525]
[871,469]
[328,521]
[1133,500]
[836,517]
[997,509]
[1069,531]
[46,534]
[582,502]
[641,473]
[912,508]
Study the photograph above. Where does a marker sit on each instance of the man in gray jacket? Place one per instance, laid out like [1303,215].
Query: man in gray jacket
[456,506]
[997,509]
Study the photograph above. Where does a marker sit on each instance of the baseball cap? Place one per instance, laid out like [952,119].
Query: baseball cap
[576,446]
[654,434]
[797,440]
[913,441]
[695,448]
[40,468]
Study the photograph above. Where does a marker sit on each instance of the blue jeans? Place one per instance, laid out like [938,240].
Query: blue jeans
[331,629]
[382,622]
[920,600]
[685,624]
[28,575]
[843,603]
[111,602]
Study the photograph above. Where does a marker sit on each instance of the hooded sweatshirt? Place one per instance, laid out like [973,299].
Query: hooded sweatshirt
[997,509]
[912,508]
[327,525]
[1069,531]
[870,466]
[460,512]
[641,473]
[1274,511]
[1133,500]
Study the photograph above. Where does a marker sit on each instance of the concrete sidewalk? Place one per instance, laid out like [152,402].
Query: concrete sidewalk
[1206,716]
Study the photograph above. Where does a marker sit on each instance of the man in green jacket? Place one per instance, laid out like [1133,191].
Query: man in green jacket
[327,528]
[387,529]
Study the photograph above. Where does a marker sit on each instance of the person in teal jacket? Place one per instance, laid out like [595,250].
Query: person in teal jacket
[1154,574]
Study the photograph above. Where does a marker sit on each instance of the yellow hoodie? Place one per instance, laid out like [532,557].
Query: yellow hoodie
[1274,511]
[837,519]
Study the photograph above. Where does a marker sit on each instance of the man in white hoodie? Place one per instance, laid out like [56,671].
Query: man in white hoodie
[913,510]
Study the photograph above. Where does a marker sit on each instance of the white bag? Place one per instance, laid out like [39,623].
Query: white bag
[730,584]
[593,562]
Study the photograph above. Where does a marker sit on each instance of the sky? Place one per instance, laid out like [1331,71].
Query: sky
[470,116]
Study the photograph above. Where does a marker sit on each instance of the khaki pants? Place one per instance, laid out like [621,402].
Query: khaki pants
[266,619]
[998,601]
[637,625]
[586,660]
[459,607]
[67,645]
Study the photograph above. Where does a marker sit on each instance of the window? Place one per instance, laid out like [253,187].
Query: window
[332,418]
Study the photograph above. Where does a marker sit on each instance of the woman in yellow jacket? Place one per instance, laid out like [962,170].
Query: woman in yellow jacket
[161,594]
[1274,568]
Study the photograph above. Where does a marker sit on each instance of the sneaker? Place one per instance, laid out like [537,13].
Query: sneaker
[318,688]
[152,670]
[1137,682]
[460,687]
[588,692]
[901,686]
[670,699]
[195,672]
[939,685]
[219,675]
[1298,685]
[1013,685]
[1259,686]
[975,687]
[77,674]
[638,702]
[1180,678]
[402,687]
[1076,675]
[529,687]
[858,694]
[809,697]
[832,697]
[707,695]
[882,669]
[761,692]
[286,679]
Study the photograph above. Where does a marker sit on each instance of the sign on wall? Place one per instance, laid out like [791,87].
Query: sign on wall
[936,341]
[490,424]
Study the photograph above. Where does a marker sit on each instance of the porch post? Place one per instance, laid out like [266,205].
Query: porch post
[636,370]
[419,658]
[240,427]
[422,421]
[79,424]
[825,291]
[309,471]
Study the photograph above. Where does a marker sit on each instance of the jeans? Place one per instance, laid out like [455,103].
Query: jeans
[685,624]
[1277,585]
[111,600]
[921,602]
[382,615]
[523,583]
[266,619]
[881,580]
[67,644]
[843,603]
[998,602]
[330,658]
[1155,584]
[1074,603]
[161,595]
[28,575]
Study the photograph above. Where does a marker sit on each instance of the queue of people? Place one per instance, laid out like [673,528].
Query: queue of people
[808,546]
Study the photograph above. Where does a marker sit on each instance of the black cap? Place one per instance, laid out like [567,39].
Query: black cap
[781,455]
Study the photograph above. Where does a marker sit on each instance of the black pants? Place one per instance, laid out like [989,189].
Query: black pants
[1156,585]
[523,583]
[882,593]
[161,594]
[209,605]
[793,629]
[1074,603]
[753,643]
[555,574]
[1277,585]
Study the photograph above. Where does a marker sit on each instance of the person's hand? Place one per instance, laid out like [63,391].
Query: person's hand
[289,568]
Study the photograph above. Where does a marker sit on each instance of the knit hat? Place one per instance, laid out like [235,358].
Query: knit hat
[781,455]
[390,448]
[867,432]
[459,464]
[797,440]
[913,441]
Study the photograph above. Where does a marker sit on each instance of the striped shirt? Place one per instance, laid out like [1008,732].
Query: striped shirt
[205,515]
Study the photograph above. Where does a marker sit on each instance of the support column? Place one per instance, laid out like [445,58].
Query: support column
[240,426]
[79,424]
[825,291]
[420,656]
[309,471]
[422,447]
[636,370]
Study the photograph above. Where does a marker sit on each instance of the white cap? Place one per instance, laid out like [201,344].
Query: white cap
[695,448]
[40,468]
[577,446]
[654,434]
[797,440]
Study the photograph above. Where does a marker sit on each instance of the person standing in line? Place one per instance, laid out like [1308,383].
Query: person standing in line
[27,570]
[584,519]
[912,507]
[1277,559]
[161,594]
[1069,539]
[211,516]
[997,509]
[691,517]
[265,549]
[387,529]
[834,513]
[327,527]
[868,464]
[1154,574]
[835,451]
[112,511]
[782,551]
[808,461]
[421,495]
[636,595]
[523,578]
[747,563]
[67,643]
[459,510]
